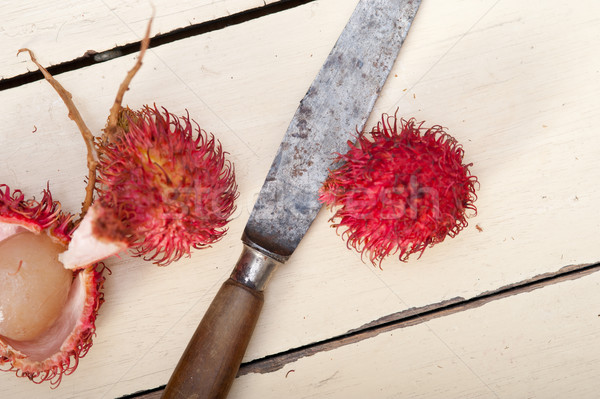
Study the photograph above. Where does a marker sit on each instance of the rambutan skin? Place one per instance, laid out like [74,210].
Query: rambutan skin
[34,215]
[65,361]
[18,213]
[400,189]
[165,185]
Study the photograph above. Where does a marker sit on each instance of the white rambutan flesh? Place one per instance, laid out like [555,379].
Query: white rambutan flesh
[34,283]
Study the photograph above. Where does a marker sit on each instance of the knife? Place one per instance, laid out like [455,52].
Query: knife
[337,103]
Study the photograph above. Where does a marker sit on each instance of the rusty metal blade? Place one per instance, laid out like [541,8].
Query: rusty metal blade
[338,103]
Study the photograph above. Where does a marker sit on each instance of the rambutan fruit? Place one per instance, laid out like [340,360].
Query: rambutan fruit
[47,312]
[400,189]
[162,185]
[165,186]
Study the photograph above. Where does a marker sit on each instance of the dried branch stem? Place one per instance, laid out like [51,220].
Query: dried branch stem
[88,137]
[113,117]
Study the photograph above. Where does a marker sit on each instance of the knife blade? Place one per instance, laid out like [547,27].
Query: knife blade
[337,104]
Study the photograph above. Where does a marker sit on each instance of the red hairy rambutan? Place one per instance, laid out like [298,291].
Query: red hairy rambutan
[164,187]
[400,189]
[47,313]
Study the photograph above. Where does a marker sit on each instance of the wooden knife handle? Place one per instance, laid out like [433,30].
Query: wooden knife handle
[211,360]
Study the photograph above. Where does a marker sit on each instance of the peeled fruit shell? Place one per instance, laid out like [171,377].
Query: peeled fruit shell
[86,247]
[47,312]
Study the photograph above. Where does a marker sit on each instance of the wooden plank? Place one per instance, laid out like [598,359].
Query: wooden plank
[539,344]
[67,30]
[365,356]
[517,92]
[409,318]
[287,360]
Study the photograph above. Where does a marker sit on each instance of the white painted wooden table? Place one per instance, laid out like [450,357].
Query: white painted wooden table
[510,310]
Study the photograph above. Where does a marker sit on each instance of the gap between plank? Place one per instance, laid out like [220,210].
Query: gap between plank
[415,316]
[92,57]
[407,318]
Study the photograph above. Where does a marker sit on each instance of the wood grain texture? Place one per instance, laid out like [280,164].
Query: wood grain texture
[540,344]
[515,82]
[485,313]
[68,29]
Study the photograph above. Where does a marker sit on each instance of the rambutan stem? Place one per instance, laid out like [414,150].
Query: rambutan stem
[113,117]
[88,137]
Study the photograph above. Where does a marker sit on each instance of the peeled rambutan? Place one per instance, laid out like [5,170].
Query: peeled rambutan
[400,189]
[164,187]
[47,312]
[156,184]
